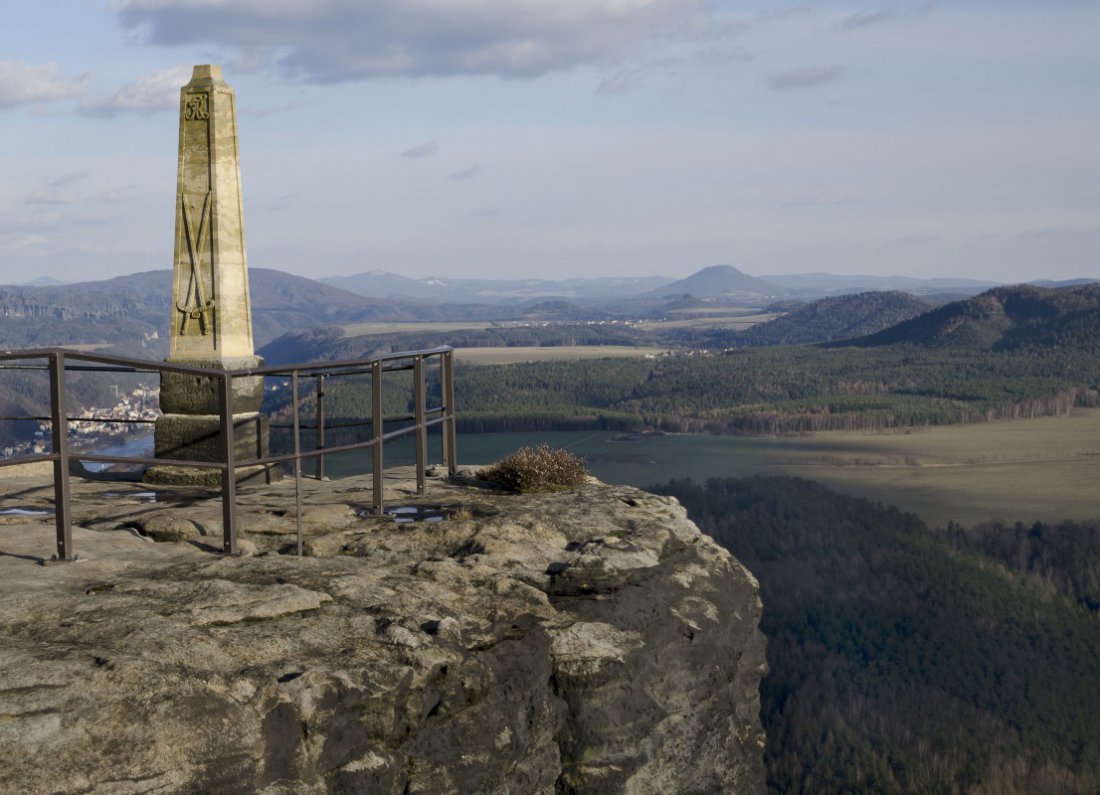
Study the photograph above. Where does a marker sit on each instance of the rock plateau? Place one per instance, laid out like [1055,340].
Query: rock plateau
[591,641]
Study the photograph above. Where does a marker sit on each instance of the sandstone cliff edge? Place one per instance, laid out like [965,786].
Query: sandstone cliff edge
[591,641]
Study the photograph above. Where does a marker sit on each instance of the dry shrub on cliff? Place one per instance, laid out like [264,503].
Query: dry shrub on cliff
[533,469]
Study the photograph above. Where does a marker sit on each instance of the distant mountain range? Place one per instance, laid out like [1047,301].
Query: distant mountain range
[1064,282]
[129,314]
[817,284]
[401,297]
[1004,318]
[382,284]
[720,282]
[626,294]
[45,281]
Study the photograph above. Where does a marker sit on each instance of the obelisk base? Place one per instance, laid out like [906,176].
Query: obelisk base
[193,393]
[197,437]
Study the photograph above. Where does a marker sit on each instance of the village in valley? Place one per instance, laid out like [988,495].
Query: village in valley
[92,427]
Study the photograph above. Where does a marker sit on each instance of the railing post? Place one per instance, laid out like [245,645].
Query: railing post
[447,392]
[378,430]
[297,461]
[319,470]
[418,418]
[59,429]
[229,474]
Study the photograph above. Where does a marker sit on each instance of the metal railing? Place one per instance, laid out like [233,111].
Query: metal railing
[58,361]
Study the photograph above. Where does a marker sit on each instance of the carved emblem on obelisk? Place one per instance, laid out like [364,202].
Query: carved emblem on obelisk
[195,305]
[195,108]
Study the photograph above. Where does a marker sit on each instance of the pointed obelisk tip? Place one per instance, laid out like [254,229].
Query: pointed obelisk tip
[206,72]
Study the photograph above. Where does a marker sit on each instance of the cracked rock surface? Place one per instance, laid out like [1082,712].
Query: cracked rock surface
[589,641]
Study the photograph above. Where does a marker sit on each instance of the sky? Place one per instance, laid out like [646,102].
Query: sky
[563,138]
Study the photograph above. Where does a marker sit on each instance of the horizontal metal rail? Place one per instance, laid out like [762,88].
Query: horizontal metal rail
[61,360]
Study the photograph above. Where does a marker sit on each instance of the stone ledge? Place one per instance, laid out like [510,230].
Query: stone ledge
[416,657]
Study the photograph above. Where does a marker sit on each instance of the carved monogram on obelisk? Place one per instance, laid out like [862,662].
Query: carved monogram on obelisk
[195,305]
[197,108]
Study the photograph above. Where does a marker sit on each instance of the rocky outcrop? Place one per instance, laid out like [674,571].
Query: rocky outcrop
[592,641]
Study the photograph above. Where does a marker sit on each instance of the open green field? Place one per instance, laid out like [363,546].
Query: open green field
[1021,470]
[515,355]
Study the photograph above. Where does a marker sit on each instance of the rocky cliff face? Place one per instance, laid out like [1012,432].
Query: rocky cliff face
[583,642]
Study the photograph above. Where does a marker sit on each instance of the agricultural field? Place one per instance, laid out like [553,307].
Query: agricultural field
[1047,468]
[442,327]
[1044,469]
[515,355]
[729,319]
[720,311]
[736,318]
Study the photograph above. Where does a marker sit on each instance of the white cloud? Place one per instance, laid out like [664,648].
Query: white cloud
[57,190]
[156,91]
[340,40]
[806,77]
[423,150]
[865,19]
[621,81]
[66,179]
[52,196]
[817,200]
[285,201]
[118,195]
[26,84]
[467,173]
[21,243]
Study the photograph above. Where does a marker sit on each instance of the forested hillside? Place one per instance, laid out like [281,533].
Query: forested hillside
[780,389]
[1005,318]
[903,660]
[840,317]
[765,390]
[1064,556]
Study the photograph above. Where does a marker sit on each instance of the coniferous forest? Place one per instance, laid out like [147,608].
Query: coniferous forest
[905,660]
[779,389]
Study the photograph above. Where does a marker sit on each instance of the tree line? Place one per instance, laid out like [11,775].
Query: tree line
[909,660]
[780,389]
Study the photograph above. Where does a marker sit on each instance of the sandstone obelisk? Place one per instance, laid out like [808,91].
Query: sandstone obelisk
[211,319]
